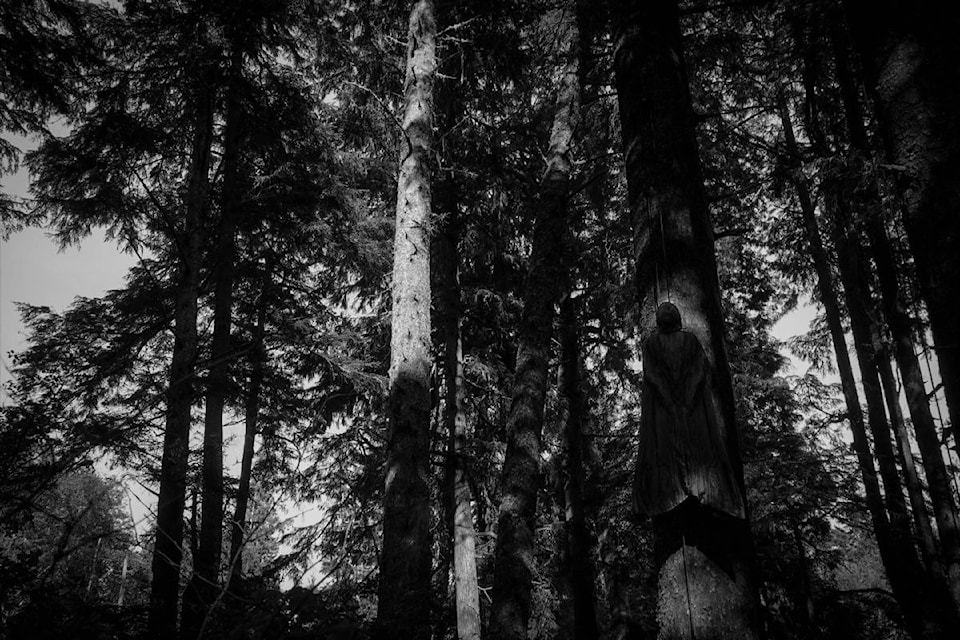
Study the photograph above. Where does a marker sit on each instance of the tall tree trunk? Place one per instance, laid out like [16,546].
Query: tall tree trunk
[918,503]
[446,260]
[405,594]
[202,590]
[251,414]
[897,552]
[901,330]
[515,565]
[676,261]
[580,543]
[909,53]
[168,548]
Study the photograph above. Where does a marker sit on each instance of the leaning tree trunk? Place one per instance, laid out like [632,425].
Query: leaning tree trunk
[903,568]
[676,262]
[168,547]
[405,594]
[909,53]
[580,543]
[901,330]
[202,590]
[515,565]
[918,502]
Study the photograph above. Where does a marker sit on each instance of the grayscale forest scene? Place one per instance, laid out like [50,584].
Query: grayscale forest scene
[499,320]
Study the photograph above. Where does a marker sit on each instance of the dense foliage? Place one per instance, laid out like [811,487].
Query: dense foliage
[246,154]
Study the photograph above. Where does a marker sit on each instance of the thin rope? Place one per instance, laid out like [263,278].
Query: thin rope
[686,584]
[663,255]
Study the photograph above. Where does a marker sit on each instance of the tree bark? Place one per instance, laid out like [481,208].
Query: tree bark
[918,503]
[897,552]
[446,260]
[515,564]
[580,543]
[676,262]
[909,54]
[901,330]
[251,414]
[405,594]
[168,548]
[202,590]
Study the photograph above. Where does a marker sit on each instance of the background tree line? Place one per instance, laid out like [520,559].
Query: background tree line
[406,254]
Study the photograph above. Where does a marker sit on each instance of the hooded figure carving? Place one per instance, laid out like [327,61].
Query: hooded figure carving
[683,454]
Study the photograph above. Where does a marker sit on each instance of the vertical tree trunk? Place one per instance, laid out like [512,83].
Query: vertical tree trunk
[202,590]
[405,595]
[918,503]
[676,261]
[897,552]
[464,536]
[515,564]
[901,330]
[909,54]
[580,543]
[239,534]
[446,260]
[168,549]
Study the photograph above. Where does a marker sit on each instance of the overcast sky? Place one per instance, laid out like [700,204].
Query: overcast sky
[33,270]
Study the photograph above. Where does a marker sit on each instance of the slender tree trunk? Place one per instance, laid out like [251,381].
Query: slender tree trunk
[901,329]
[202,590]
[123,578]
[580,542]
[458,496]
[405,593]
[897,552]
[168,549]
[909,54]
[676,262]
[464,536]
[515,565]
[806,606]
[918,503]
[251,414]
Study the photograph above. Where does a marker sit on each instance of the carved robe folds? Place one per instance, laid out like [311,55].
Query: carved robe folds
[683,454]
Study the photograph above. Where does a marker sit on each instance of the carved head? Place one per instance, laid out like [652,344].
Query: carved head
[668,318]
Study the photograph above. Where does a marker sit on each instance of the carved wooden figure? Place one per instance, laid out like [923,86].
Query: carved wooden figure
[683,454]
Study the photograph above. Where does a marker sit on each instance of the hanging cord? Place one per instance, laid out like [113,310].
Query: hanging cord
[686,585]
[663,255]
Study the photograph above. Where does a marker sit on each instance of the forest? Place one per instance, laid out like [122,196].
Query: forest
[455,320]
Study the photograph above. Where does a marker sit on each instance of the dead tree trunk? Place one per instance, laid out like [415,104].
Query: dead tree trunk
[676,262]
[405,594]
[514,568]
